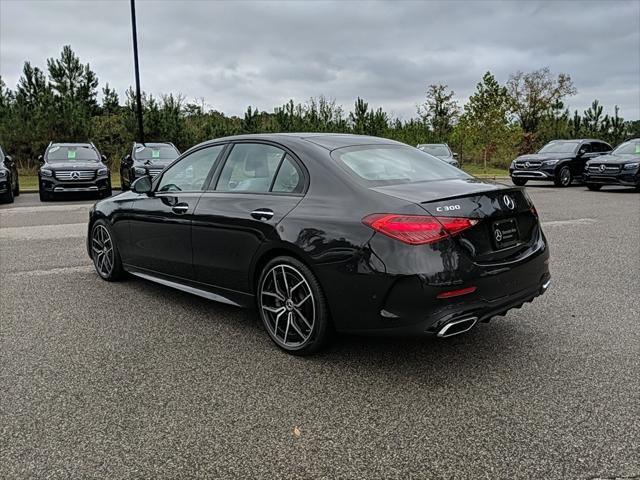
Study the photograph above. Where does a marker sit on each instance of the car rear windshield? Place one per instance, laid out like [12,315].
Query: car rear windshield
[72,153]
[628,148]
[376,165]
[156,152]
[559,147]
[435,150]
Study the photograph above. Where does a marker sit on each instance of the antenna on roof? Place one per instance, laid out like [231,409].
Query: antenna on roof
[137,71]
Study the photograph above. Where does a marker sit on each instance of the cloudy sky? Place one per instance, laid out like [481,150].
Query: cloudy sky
[239,53]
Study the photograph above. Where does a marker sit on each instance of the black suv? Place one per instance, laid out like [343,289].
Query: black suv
[146,159]
[620,167]
[560,161]
[73,167]
[9,185]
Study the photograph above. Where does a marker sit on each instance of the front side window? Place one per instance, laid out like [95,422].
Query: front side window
[72,153]
[190,173]
[560,147]
[375,165]
[250,168]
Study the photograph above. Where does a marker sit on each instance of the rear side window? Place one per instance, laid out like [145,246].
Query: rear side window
[250,168]
[289,178]
[374,165]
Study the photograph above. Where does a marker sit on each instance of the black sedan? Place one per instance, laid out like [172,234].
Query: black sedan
[9,182]
[323,232]
[620,167]
[559,161]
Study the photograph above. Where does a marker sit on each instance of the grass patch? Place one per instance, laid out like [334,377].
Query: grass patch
[479,170]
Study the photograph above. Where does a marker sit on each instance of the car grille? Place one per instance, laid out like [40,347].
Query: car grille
[154,171]
[534,165]
[70,175]
[607,169]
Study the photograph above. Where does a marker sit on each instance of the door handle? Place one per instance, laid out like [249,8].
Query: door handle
[180,208]
[262,214]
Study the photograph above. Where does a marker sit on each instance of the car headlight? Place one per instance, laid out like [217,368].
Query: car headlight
[631,166]
[550,162]
[102,172]
[3,173]
[140,171]
[45,172]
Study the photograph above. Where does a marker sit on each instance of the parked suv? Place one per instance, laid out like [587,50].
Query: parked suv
[620,167]
[9,185]
[559,161]
[73,167]
[441,151]
[146,159]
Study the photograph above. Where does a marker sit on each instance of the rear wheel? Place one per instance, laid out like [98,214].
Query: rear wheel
[104,252]
[594,186]
[292,306]
[563,177]
[520,182]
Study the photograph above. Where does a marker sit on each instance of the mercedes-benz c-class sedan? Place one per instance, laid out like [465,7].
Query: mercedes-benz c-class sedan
[326,232]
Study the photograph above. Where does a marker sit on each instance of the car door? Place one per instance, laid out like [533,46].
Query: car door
[253,189]
[160,225]
[585,153]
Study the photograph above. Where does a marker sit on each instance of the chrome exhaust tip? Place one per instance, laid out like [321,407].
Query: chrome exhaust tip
[457,327]
[545,285]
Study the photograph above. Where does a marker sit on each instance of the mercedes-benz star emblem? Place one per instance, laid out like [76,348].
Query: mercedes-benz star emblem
[75,175]
[527,164]
[508,202]
[498,234]
[603,168]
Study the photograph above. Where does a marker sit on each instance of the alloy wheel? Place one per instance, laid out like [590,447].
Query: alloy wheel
[288,306]
[565,176]
[102,248]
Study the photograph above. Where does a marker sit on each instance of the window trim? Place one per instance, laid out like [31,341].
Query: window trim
[156,181]
[210,187]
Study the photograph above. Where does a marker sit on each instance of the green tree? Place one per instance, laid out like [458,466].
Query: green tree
[440,111]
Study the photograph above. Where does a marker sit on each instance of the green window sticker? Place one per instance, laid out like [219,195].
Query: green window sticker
[155,153]
[71,154]
[637,147]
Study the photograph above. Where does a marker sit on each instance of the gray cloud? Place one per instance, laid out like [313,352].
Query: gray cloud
[235,54]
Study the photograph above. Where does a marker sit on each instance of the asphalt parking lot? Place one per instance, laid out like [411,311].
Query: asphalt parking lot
[135,380]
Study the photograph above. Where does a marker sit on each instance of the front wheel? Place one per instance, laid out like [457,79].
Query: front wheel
[520,182]
[104,252]
[16,192]
[594,186]
[44,196]
[7,197]
[292,306]
[563,177]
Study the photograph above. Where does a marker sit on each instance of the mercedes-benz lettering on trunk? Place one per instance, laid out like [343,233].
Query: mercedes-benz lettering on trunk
[73,168]
[322,232]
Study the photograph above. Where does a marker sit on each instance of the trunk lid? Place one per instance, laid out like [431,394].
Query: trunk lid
[507,227]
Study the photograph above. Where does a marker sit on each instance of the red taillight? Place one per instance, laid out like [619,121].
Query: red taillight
[456,293]
[417,229]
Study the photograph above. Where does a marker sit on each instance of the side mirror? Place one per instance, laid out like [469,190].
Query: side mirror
[8,158]
[455,155]
[127,159]
[582,152]
[40,158]
[104,158]
[142,185]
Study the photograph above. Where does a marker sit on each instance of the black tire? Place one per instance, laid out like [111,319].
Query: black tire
[563,177]
[7,197]
[44,196]
[594,186]
[520,182]
[105,194]
[295,304]
[107,263]
[16,192]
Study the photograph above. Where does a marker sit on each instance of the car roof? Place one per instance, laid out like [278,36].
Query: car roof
[329,141]
[577,140]
[153,144]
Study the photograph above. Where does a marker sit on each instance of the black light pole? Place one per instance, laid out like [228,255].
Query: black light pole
[137,70]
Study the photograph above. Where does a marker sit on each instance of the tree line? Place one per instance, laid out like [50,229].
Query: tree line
[498,122]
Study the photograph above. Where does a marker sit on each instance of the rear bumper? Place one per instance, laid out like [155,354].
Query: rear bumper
[373,297]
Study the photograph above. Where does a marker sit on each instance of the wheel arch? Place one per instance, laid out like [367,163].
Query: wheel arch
[269,253]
